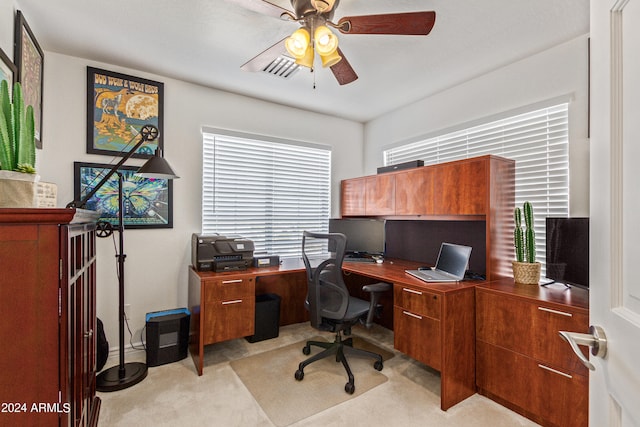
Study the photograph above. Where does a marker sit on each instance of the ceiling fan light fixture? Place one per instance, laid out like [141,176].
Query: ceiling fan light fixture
[330,59]
[326,42]
[298,43]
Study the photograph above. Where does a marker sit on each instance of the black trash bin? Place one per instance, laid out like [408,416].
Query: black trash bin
[267,318]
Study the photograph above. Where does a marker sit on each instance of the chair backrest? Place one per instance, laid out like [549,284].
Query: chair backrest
[327,295]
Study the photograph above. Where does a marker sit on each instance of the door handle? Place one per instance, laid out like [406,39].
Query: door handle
[596,339]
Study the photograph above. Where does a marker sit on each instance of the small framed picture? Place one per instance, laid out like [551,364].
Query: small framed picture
[147,202]
[7,70]
[118,106]
[29,61]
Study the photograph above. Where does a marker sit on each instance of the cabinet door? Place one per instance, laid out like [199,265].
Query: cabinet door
[460,188]
[414,192]
[229,319]
[417,336]
[352,196]
[549,395]
[380,195]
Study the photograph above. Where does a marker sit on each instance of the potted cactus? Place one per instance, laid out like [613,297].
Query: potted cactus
[18,179]
[525,268]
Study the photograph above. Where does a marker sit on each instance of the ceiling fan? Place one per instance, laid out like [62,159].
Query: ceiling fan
[314,36]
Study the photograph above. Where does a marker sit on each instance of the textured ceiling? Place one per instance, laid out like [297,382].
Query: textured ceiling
[206,42]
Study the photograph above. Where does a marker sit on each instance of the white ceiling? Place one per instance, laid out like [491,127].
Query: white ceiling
[206,42]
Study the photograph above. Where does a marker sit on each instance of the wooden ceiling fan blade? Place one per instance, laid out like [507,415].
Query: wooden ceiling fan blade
[343,71]
[264,7]
[263,59]
[409,23]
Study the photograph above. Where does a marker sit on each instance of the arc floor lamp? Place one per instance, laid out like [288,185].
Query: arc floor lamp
[125,375]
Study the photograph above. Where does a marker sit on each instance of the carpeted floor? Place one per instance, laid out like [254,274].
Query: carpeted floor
[269,377]
[174,395]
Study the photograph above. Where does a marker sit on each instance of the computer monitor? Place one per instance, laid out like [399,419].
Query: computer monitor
[364,235]
[567,252]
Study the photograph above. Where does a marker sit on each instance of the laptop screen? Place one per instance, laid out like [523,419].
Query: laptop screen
[453,259]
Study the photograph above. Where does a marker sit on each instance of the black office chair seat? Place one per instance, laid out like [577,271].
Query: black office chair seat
[333,309]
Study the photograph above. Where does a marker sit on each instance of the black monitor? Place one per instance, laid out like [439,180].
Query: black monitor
[567,252]
[364,235]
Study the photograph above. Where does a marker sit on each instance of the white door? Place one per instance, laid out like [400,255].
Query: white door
[615,211]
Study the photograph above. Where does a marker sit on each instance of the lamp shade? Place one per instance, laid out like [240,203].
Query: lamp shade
[326,42]
[298,43]
[307,59]
[157,167]
[330,59]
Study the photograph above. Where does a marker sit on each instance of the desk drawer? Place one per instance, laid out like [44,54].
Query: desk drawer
[229,319]
[228,288]
[417,336]
[417,301]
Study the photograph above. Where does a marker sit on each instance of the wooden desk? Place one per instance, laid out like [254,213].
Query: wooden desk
[433,323]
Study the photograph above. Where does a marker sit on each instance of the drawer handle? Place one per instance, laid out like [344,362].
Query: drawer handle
[226,282]
[412,315]
[548,310]
[554,371]
[235,301]
[412,291]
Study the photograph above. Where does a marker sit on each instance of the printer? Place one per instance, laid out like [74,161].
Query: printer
[220,253]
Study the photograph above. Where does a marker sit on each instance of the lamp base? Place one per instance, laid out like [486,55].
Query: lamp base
[113,380]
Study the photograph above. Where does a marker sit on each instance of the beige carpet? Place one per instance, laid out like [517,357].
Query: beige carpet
[269,376]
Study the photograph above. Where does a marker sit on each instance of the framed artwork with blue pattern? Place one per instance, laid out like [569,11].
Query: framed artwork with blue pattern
[147,202]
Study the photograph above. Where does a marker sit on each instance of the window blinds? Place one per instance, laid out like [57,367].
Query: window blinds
[537,140]
[265,191]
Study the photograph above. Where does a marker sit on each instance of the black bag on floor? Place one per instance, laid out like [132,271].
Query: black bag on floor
[102,347]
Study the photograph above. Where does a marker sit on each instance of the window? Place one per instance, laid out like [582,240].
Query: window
[265,190]
[537,140]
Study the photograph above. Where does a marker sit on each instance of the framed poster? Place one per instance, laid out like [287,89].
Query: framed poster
[7,70]
[118,106]
[30,63]
[148,202]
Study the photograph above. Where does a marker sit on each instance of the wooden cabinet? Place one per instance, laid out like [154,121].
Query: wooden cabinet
[353,193]
[380,195]
[521,360]
[229,308]
[460,188]
[434,324]
[368,196]
[476,189]
[416,313]
[47,298]
[222,308]
[414,192]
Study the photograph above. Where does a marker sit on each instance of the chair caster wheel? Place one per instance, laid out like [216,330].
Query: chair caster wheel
[378,366]
[299,375]
[306,350]
[349,388]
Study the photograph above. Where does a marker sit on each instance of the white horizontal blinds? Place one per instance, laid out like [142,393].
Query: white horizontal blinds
[265,191]
[537,140]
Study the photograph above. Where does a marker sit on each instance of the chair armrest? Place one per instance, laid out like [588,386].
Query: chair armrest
[375,289]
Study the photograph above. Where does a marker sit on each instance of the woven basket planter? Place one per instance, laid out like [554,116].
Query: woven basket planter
[526,273]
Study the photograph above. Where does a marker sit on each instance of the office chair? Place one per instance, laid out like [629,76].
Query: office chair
[330,306]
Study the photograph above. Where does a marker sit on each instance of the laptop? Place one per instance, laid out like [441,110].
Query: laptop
[450,267]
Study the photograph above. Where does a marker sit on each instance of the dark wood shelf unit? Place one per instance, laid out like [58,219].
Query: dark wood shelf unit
[47,297]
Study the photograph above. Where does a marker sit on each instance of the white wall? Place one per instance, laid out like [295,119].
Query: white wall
[157,260]
[558,72]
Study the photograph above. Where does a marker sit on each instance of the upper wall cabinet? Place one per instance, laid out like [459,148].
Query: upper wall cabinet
[460,188]
[476,189]
[463,187]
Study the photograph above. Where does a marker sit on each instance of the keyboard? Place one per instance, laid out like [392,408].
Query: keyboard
[347,259]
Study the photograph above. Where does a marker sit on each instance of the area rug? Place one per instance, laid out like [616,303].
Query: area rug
[269,376]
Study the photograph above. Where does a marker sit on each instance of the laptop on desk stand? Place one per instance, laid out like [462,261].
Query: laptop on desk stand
[450,267]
